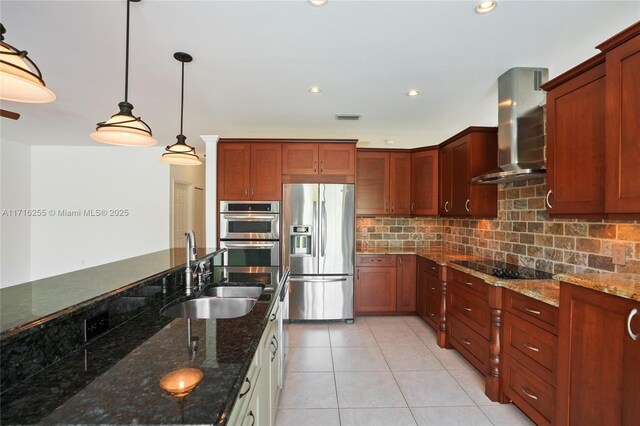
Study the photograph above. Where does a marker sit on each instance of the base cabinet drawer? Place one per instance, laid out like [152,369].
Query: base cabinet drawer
[432,311]
[474,311]
[539,313]
[470,344]
[532,346]
[529,392]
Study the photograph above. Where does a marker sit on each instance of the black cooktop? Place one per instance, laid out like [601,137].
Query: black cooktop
[504,270]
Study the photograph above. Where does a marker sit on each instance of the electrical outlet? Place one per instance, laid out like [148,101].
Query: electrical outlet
[618,254]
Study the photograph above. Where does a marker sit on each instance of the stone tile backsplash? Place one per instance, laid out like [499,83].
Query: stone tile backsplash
[522,233]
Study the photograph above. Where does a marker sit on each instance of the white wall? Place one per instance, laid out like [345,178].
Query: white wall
[15,231]
[96,178]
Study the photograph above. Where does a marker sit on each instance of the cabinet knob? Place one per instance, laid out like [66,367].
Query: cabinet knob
[632,314]
[546,199]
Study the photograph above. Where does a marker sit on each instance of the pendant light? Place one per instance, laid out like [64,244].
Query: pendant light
[180,153]
[124,128]
[20,78]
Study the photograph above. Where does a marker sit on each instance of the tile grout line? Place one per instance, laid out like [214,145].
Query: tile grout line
[335,380]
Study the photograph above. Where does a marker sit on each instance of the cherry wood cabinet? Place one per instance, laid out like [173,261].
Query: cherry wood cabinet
[530,348]
[474,325]
[384,183]
[469,153]
[375,287]
[593,134]
[598,374]
[249,171]
[406,283]
[299,158]
[623,121]
[430,297]
[424,182]
[307,158]
[385,284]
[575,135]
[372,182]
[400,183]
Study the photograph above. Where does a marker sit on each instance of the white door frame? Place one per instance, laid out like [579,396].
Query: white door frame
[190,202]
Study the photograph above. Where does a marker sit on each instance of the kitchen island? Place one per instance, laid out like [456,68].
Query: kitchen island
[115,378]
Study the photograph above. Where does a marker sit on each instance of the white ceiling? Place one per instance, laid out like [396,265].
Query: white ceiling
[254,62]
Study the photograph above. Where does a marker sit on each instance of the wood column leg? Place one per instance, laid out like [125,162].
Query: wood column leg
[492,386]
[442,322]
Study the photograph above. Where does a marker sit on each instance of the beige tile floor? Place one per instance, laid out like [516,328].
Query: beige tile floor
[383,371]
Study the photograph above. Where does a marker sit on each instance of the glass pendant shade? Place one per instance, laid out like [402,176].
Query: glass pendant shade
[181,154]
[124,129]
[20,78]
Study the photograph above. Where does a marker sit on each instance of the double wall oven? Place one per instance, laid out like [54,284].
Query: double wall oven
[250,231]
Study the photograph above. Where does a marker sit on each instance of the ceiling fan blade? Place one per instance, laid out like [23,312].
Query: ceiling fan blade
[9,114]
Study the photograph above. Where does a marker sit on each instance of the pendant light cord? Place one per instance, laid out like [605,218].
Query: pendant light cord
[126,66]
[182,100]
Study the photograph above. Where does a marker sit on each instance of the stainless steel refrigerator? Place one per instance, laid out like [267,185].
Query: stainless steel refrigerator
[318,244]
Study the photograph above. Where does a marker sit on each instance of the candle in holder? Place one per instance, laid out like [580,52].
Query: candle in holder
[181,382]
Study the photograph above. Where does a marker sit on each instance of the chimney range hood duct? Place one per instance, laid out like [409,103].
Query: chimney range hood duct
[521,127]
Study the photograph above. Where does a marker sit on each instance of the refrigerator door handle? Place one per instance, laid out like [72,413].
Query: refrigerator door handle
[315,230]
[316,280]
[324,229]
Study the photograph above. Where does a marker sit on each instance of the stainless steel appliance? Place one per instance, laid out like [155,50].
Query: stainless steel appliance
[318,245]
[265,275]
[249,220]
[521,127]
[251,253]
[250,231]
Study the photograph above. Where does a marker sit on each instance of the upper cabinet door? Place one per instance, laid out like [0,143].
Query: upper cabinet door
[337,158]
[266,175]
[400,183]
[446,181]
[575,148]
[233,171]
[623,128]
[460,179]
[299,158]
[424,182]
[373,183]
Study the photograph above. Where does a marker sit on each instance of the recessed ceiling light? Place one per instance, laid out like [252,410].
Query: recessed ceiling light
[315,89]
[318,2]
[486,6]
[413,93]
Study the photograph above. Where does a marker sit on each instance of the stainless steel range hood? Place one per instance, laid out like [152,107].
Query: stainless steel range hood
[521,127]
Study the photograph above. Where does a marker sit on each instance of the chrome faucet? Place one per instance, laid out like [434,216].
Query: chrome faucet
[191,256]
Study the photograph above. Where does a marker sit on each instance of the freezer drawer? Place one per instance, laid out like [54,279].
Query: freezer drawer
[321,297]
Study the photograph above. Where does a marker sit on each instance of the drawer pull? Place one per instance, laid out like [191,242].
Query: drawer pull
[433,288]
[468,283]
[432,315]
[248,389]
[273,317]
[253,418]
[466,308]
[433,268]
[531,311]
[531,348]
[529,394]
[465,341]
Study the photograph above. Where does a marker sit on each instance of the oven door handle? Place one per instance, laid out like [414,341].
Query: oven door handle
[249,218]
[316,280]
[248,245]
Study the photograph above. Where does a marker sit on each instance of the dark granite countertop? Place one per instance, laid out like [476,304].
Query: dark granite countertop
[31,303]
[115,378]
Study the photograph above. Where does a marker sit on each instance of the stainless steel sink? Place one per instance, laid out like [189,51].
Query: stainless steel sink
[235,291]
[211,307]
